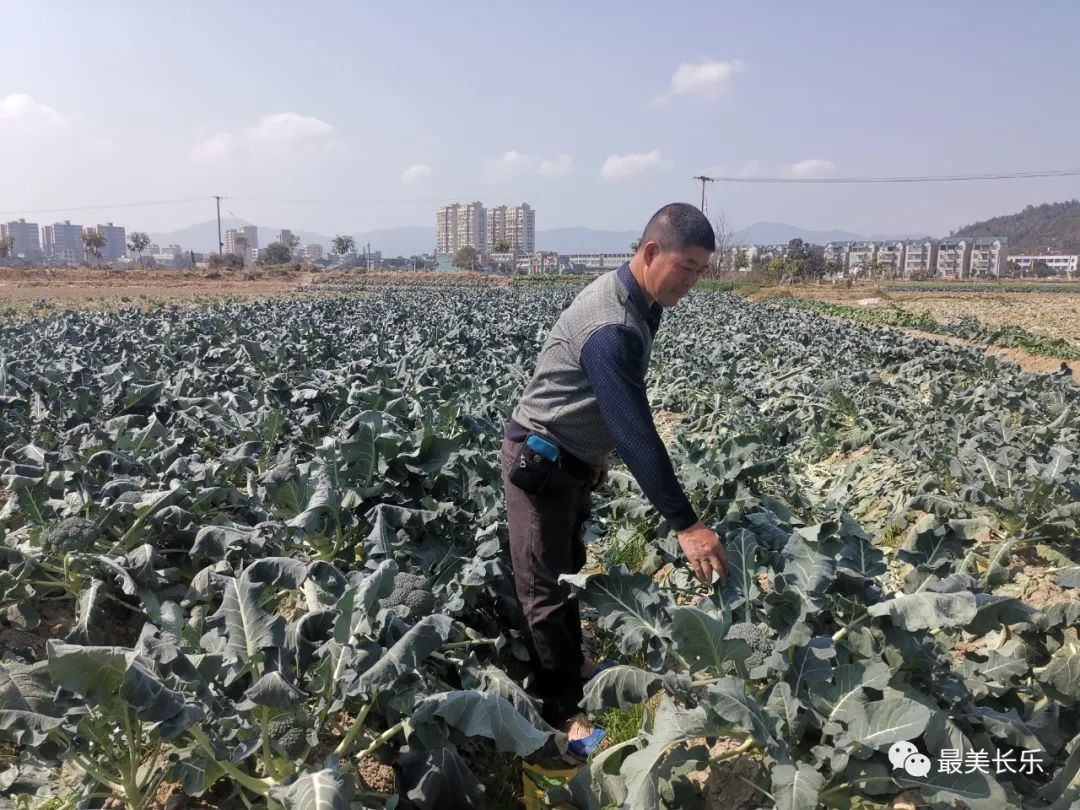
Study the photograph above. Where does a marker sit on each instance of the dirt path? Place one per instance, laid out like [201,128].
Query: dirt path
[1032,363]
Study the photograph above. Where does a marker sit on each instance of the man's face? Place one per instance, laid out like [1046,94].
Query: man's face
[671,274]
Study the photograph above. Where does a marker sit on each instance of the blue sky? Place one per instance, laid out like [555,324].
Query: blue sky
[595,113]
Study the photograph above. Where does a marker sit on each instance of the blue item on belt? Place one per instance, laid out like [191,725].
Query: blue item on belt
[538,444]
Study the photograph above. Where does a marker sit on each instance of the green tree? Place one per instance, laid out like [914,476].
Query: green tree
[7,245]
[93,242]
[276,253]
[230,261]
[781,270]
[809,259]
[502,246]
[740,261]
[466,257]
[292,242]
[137,243]
[343,245]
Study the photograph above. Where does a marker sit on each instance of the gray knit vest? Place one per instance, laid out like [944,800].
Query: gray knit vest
[559,402]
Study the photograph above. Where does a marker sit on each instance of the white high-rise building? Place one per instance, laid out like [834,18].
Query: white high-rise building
[514,226]
[25,236]
[63,242]
[115,247]
[241,241]
[459,225]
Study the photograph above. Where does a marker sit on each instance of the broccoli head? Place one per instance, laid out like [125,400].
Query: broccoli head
[289,734]
[69,534]
[756,637]
[411,590]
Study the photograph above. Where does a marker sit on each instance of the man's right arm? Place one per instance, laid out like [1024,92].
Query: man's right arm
[611,359]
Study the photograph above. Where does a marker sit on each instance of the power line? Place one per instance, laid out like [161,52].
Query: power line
[392,201]
[941,178]
[102,207]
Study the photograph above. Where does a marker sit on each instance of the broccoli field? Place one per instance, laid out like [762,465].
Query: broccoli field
[254,556]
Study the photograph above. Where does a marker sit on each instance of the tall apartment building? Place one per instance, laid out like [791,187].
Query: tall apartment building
[461,224]
[920,258]
[284,236]
[837,253]
[63,242]
[890,258]
[115,247]
[242,247]
[27,241]
[988,254]
[861,256]
[954,257]
[513,225]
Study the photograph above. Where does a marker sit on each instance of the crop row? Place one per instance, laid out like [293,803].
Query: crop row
[209,513]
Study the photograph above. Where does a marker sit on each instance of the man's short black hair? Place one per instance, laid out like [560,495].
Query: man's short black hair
[678,226]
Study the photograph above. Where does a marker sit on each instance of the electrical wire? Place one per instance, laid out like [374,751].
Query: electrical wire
[24,212]
[942,178]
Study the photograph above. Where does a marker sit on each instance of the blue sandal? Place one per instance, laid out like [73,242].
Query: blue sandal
[586,747]
[600,668]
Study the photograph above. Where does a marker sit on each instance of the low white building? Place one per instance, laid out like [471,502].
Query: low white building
[600,261]
[1065,265]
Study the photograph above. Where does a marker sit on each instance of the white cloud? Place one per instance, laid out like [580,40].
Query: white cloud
[21,108]
[750,168]
[515,164]
[273,135]
[620,167]
[554,167]
[418,171]
[709,79]
[812,168]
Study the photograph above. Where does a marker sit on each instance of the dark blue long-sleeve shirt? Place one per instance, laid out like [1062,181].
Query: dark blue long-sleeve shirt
[611,358]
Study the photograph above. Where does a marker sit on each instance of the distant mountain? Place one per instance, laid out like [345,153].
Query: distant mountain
[414,239]
[203,236]
[773,233]
[1053,226]
[410,240]
[405,241]
[585,240]
[769,233]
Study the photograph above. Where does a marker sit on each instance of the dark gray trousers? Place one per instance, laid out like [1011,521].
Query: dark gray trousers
[546,541]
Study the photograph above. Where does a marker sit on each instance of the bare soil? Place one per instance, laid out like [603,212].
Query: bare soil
[18,284]
[1053,315]
[666,422]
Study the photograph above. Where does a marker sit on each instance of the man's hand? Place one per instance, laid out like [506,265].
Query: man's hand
[704,552]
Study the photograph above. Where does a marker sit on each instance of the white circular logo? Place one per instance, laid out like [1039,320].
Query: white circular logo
[905,755]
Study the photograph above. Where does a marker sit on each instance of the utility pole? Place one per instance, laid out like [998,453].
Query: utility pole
[703,180]
[220,244]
